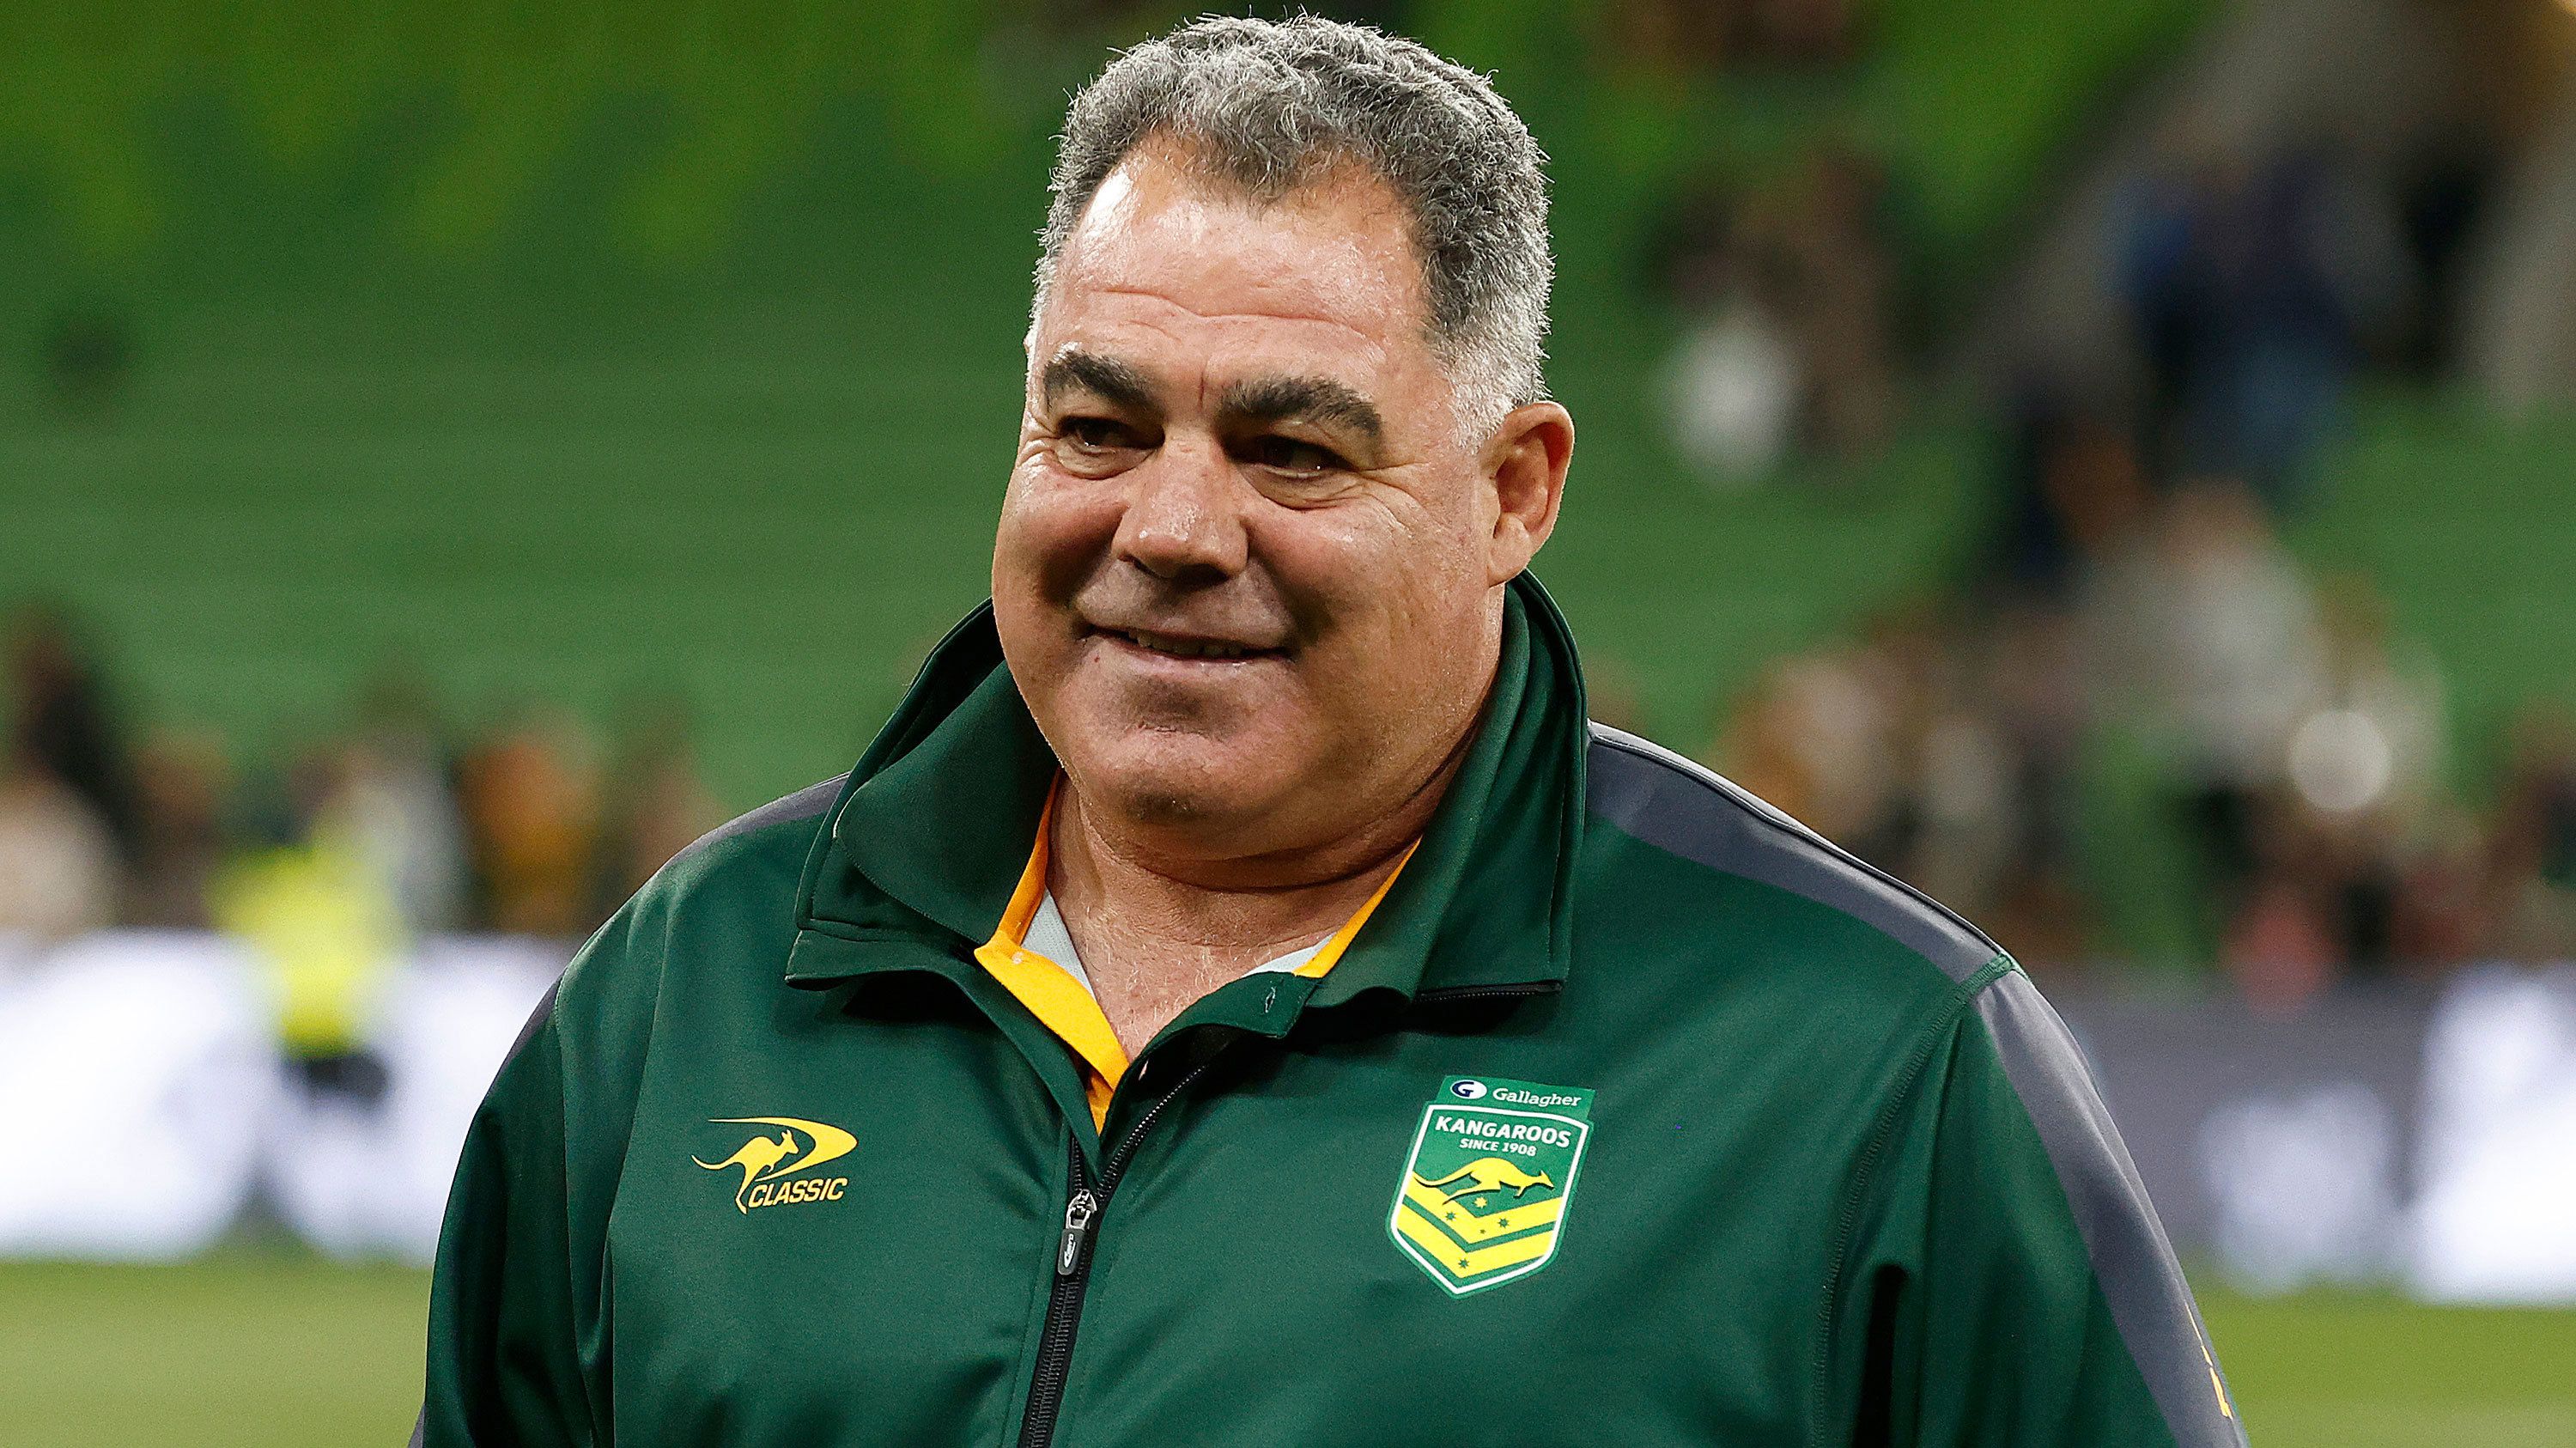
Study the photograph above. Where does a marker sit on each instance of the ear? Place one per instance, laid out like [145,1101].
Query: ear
[1524,462]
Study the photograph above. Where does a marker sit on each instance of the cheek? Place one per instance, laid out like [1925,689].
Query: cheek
[1052,535]
[1384,595]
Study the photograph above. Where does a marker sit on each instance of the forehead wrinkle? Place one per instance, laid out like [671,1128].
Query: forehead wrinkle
[1365,351]
[1096,357]
[1311,318]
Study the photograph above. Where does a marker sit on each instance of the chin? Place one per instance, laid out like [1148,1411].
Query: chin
[1181,781]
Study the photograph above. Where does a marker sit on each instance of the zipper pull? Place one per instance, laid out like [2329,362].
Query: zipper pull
[1077,1227]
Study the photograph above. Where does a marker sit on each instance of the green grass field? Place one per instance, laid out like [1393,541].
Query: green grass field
[289,1353]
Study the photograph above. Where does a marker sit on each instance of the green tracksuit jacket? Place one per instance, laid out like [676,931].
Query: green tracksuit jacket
[1636,1114]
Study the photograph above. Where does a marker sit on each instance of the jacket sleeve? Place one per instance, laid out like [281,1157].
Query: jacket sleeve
[504,1367]
[2007,1284]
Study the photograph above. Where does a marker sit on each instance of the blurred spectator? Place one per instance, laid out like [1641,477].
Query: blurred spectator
[390,801]
[2031,679]
[2074,490]
[1732,383]
[327,937]
[64,722]
[657,803]
[1787,304]
[2279,941]
[2442,205]
[1957,805]
[2371,747]
[2204,633]
[2439,918]
[2252,286]
[1939,748]
[2363,771]
[1814,737]
[1825,231]
[181,785]
[2532,860]
[532,822]
[57,863]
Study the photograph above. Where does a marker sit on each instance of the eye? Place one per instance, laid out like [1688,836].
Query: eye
[1096,446]
[1293,456]
[1096,434]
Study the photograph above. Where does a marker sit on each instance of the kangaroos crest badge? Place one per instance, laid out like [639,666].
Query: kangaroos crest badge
[1489,1180]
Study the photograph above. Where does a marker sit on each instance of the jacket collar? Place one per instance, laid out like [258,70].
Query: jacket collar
[929,836]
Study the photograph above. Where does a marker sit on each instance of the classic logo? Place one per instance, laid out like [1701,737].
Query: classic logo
[799,1147]
[1486,1187]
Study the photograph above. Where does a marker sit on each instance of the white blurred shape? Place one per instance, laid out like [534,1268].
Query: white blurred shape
[2495,1220]
[1732,387]
[142,1100]
[2341,761]
[134,1066]
[2305,1185]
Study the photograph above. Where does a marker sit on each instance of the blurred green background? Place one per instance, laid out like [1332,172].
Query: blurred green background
[558,355]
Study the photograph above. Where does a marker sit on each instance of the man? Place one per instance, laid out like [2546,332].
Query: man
[1238,999]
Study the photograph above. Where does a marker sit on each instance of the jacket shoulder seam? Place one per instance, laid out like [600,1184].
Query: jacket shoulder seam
[804,806]
[1745,803]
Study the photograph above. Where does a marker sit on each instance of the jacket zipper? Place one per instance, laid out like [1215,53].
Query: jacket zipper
[1482,992]
[1082,1209]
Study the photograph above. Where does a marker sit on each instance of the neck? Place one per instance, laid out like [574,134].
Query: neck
[1157,931]
[1130,887]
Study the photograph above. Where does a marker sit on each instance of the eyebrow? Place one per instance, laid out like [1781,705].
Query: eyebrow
[1272,399]
[1259,399]
[1108,378]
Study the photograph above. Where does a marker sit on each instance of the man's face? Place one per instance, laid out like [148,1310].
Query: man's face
[1248,571]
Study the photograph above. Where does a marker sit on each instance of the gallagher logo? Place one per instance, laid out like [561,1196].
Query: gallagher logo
[799,1147]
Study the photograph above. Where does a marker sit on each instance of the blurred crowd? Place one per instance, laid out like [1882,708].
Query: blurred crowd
[2135,724]
[381,832]
[2192,725]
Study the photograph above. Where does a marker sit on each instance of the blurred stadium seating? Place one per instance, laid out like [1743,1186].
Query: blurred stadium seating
[549,392]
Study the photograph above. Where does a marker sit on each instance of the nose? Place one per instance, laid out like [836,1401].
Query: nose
[1184,522]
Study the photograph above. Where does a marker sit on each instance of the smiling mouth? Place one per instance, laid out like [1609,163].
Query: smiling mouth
[1177,647]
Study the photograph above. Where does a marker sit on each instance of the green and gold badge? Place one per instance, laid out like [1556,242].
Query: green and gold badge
[1489,1180]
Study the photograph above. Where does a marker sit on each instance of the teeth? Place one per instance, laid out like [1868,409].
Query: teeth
[1185,648]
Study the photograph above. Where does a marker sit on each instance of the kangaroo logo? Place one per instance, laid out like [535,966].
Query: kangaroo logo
[1486,1186]
[765,1158]
[1485,1174]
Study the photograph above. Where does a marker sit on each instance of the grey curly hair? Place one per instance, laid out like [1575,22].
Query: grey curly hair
[1268,105]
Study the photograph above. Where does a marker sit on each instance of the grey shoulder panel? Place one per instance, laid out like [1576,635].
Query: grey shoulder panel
[2131,1259]
[809,803]
[536,1022]
[1677,806]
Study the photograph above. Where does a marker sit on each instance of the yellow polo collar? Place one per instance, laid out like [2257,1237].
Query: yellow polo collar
[1064,1006]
